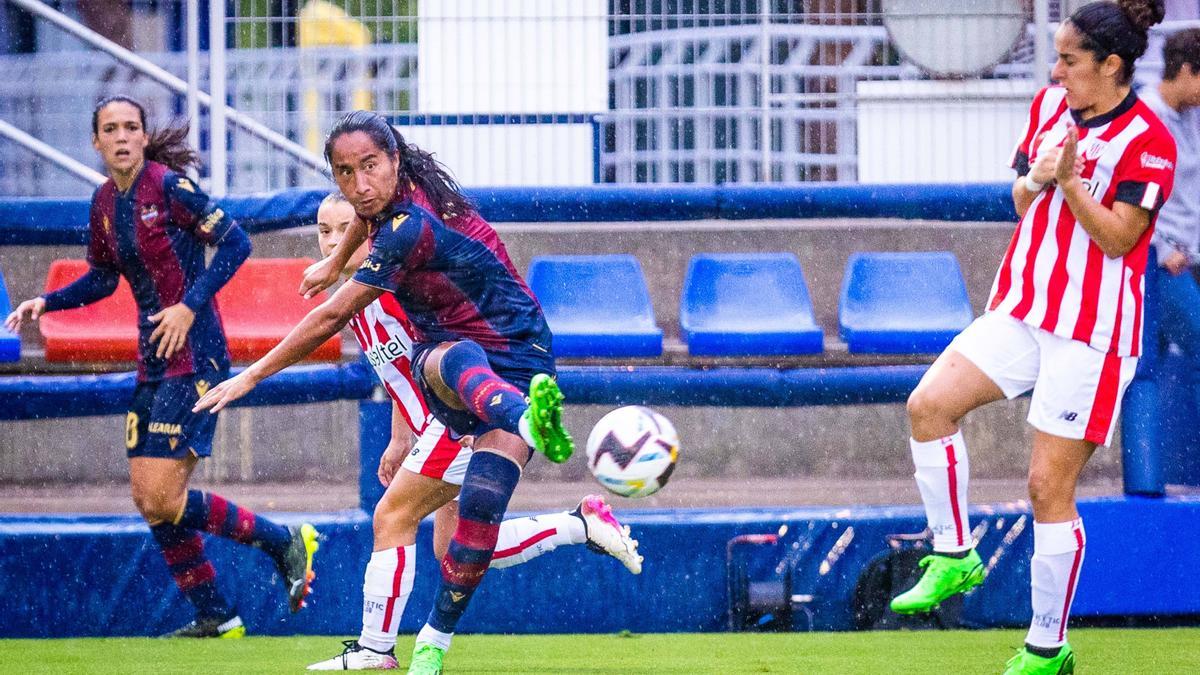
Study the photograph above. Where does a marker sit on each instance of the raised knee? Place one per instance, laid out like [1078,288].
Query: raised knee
[923,408]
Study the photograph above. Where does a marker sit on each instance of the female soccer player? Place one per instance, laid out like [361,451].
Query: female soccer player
[482,341]
[407,470]
[1064,317]
[151,224]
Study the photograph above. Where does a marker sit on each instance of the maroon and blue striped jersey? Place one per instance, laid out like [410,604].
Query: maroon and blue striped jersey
[154,234]
[454,280]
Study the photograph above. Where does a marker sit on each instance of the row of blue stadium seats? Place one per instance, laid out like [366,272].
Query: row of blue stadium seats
[734,304]
[752,304]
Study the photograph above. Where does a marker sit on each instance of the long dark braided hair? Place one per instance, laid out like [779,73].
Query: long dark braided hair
[416,165]
[167,145]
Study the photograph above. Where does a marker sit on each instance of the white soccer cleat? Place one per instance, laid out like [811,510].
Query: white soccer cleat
[357,657]
[606,535]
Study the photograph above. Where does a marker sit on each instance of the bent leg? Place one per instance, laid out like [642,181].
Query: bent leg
[158,486]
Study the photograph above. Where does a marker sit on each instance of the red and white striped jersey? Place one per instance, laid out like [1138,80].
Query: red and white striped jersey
[385,336]
[1054,277]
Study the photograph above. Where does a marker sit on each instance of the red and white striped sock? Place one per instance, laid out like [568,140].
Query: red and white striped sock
[523,539]
[386,585]
[942,472]
[1054,574]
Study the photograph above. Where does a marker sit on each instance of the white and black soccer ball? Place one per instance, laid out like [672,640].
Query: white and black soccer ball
[632,451]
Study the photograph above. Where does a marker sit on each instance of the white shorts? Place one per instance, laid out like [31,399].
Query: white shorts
[1077,390]
[437,455]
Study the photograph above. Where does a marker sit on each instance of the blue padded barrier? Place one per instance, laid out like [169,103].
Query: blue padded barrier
[743,304]
[67,576]
[10,343]
[902,303]
[596,305]
[50,396]
[39,221]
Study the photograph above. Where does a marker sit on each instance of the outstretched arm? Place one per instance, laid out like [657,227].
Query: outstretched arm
[313,330]
[324,273]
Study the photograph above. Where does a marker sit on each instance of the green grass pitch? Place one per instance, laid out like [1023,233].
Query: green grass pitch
[1120,652]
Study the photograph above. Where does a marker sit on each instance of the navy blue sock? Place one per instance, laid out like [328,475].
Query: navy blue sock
[488,396]
[489,482]
[212,513]
[183,550]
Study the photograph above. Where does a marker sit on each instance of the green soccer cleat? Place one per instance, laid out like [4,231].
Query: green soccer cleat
[211,627]
[944,577]
[426,660]
[296,566]
[544,419]
[1025,663]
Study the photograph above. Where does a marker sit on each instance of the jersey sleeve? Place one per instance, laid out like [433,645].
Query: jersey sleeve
[1146,173]
[192,210]
[1023,152]
[401,244]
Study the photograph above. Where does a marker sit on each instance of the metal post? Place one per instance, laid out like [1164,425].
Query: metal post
[91,37]
[764,83]
[193,72]
[1041,33]
[61,160]
[218,168]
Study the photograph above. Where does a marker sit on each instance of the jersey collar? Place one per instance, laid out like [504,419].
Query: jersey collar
[1100,120]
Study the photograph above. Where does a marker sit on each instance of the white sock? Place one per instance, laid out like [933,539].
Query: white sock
[1054,572]
[523,539]
[942,472]
[524,431]
[386,585]
[435,637]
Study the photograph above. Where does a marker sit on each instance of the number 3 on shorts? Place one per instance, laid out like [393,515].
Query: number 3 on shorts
[131,430]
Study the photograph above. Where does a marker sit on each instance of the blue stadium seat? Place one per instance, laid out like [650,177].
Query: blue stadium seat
[902,303]
[596,305]
[10,344]
[745,304]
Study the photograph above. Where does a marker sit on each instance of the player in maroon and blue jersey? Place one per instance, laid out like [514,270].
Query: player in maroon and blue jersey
[151,224]
[482,343]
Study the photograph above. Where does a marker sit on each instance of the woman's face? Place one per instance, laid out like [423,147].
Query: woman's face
[120,137]
[1088,82]
[333,219]
[364,172]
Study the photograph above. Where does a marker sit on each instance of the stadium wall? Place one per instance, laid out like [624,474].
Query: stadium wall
[663,227]
[77,575]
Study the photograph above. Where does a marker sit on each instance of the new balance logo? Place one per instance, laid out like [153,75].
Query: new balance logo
[1068,416]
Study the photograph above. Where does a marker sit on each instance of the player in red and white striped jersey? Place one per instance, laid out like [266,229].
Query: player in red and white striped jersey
[432,470]
[1064,319]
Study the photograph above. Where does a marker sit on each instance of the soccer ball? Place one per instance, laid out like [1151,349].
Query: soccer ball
[632,451]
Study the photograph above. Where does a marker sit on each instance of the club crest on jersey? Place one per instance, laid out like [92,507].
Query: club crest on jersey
[149,213]
[398,221]
[1094,150]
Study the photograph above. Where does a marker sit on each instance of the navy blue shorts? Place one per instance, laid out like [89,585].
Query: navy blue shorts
[160,421]
[517,367]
